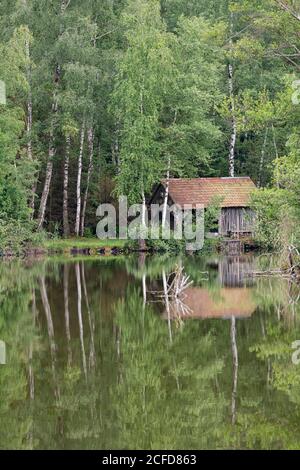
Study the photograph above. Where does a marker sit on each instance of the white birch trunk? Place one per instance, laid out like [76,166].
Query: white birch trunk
[29,124]
[90,136]
[64,5]
[116,153]
[142,243]
[66,225]
[164,215]
[262,158]
[29,102]
[233,137]
[47,183]
[78,186]
[144,209]
[49,169]
[276,155]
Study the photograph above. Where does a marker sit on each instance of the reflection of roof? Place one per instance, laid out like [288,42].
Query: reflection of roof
[224,303]
[234,192]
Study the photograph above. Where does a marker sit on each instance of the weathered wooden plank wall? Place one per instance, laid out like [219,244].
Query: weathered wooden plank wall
[236,220]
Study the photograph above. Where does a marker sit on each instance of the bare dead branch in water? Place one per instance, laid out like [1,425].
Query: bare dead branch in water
[292,272]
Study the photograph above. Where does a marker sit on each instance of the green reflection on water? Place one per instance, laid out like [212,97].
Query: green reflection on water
[102,355]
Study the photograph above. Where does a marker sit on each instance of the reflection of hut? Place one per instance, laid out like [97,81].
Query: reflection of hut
[233,271]
[229,296]
[225,303]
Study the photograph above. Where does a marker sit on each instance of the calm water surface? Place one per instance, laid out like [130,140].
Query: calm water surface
[154,353]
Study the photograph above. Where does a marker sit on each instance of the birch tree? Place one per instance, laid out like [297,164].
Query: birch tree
[90,138]
[138,97]
[231,158]
[66,225]
[53,124]
[78,185]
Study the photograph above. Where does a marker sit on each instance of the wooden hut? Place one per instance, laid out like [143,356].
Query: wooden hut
[232,195]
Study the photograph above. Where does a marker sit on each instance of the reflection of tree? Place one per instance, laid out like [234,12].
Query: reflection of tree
[194,411]
[269,419]
[79,312]
[18,331]
[235,362]
[91,319]
[50,327]
[67,312]
[143,390]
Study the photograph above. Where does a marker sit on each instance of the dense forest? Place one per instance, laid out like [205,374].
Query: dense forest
[106,97]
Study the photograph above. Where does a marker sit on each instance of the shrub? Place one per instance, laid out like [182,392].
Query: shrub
[16,235]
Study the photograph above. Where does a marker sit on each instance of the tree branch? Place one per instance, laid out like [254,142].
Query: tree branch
[284,6]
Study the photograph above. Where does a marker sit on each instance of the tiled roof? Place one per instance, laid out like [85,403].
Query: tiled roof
[233,192]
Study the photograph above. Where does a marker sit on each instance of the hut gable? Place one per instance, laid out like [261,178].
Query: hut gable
[232,192]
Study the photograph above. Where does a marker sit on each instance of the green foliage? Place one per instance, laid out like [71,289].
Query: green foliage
[212,215]
[270,206]
[143,77]
[17,235]
[151,79]
[166,246]
[277,209]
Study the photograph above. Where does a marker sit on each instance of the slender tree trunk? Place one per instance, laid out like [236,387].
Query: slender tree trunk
[144,209]
[142,243]
[29,124]
[164,215]
[78,186]
[90,136]
[66,224]
[276,155]
[116,151]
[29,102]
[52,150]
[64,5]
[33,195]
[49,167]
[47,184]
[262,158]
[233,136]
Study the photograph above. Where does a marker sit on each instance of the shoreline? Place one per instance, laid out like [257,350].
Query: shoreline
[94,247]
[90,247]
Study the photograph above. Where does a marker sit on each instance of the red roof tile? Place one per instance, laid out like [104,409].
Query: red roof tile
[234,192]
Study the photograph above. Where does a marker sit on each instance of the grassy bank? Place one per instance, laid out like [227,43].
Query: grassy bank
[82,243]
[91,244]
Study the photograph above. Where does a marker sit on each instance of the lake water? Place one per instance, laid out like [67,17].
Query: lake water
[148,353]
